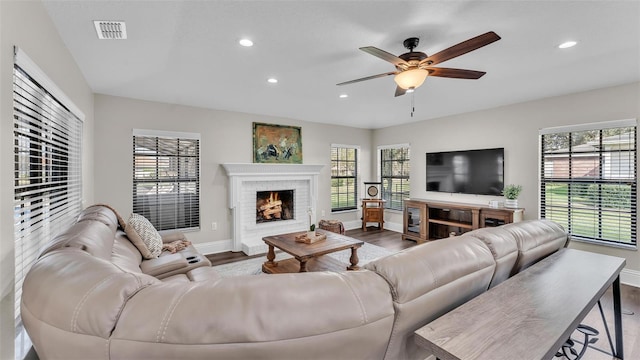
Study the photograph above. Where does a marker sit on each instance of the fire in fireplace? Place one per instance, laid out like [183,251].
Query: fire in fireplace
[274,205]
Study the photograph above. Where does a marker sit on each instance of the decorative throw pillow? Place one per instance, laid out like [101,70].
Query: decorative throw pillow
[144,236]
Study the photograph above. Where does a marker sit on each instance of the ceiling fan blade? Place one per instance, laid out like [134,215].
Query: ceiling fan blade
[462,48]
[455,73]
[367,78]
[384,56]
[400,91]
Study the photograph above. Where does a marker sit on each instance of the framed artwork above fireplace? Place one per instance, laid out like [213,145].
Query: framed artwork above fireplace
[277,144]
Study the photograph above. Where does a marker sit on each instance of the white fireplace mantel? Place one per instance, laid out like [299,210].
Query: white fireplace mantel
[248,169]
[245,178]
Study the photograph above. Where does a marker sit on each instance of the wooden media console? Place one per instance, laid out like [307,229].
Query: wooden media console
[428,220]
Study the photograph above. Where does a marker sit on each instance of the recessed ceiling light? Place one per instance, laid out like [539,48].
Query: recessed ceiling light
[567,44]
[245,42]
[272,80]
[342,96]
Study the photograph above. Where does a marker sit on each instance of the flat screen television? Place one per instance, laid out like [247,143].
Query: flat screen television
[479,172]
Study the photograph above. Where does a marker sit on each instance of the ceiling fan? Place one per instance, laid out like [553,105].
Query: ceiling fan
[412,68]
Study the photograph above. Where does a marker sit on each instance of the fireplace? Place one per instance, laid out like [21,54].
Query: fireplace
[274,206]
[248,180]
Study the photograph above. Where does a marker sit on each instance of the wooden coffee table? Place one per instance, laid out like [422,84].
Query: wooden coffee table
[308,257]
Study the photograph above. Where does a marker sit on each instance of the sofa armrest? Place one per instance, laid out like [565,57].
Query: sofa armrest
[163,264]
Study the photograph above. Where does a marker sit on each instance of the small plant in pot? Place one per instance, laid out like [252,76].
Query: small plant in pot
[511,193]
[312,231]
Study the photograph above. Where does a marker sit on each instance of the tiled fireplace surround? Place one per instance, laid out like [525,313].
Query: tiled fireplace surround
[247,179]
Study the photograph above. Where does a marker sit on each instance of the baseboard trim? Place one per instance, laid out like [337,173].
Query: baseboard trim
[630,277]
[357,224]
[213,247]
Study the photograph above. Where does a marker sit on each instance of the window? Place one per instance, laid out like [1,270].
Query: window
[47,170]
[166,178]
[344,177]
[394,174]
[588,180]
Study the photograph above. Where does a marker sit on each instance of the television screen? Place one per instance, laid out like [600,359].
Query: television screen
[479,172]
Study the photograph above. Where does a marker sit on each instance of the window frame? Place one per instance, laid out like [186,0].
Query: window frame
[386,195]
[355,177]
[576,185]
[160,220]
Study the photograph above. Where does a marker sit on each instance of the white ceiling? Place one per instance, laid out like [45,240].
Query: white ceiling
[187,52]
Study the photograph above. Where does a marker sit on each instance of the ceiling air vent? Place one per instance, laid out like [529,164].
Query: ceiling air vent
[110,30]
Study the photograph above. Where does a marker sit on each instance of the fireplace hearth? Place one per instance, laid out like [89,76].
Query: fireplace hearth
[274,206]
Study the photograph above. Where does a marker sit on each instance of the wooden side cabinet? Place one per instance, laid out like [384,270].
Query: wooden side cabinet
[428,220]
[415,221]
[373,212]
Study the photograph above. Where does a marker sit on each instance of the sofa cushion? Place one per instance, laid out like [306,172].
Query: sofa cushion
[203,273]
[144,236]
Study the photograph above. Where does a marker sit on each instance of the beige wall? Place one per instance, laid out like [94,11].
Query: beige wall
[515,128]
[226,137]
[27,25]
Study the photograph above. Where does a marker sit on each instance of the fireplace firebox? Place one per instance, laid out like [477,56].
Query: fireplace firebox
[274,205]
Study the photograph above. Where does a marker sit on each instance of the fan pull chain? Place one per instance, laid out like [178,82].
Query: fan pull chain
[413,107]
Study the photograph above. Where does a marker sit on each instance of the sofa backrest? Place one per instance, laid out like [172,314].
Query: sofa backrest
[314,315]
[536,239]
[429,280]
[124,254]
[504,249]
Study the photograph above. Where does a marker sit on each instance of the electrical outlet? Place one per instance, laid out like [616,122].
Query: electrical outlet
[323,213]
[214,226]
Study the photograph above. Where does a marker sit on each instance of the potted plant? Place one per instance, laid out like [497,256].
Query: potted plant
[511,193]
[312,227]
[312,231]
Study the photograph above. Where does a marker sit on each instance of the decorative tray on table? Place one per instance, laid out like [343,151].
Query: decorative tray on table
[304,238]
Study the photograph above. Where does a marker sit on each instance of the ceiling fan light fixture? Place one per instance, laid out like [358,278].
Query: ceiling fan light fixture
[411,78]
[245,42]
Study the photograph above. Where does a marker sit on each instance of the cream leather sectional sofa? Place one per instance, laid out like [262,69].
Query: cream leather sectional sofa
[90,295]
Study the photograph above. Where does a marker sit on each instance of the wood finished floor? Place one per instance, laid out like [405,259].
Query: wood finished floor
[630,296]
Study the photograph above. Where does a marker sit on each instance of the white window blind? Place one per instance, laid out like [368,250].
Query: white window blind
[588,180]
[394,174]
[344,177]
[47,170]
[166,178]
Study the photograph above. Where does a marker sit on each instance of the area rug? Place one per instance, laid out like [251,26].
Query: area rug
[366,253]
